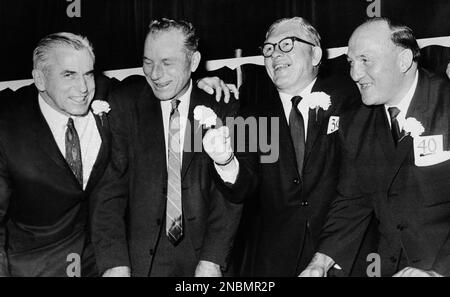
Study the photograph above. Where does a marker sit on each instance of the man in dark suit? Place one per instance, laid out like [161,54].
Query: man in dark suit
[395,160]
[160,211]
[283,219]
[53,151]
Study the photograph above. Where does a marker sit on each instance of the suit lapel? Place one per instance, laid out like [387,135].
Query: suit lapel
[417,109]
[103,153]
[275,109]
[383,134]
[151,129]
[46,142]
[316,121]
[194,133]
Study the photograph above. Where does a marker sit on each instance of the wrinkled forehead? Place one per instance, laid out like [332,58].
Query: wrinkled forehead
[284,30]
[68,56]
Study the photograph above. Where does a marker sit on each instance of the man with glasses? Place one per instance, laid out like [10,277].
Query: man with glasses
[285,217]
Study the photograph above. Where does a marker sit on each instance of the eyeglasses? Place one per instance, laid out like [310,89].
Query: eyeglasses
[285,45]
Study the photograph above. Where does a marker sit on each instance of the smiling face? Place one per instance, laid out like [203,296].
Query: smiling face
[291,72]
[167,65]
[375,64]
[67,83]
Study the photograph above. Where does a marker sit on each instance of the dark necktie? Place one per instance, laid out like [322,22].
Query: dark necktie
[73,151]
[395,129]
[174,217]
[297,128]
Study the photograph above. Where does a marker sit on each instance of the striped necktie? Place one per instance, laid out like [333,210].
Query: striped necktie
[174,218]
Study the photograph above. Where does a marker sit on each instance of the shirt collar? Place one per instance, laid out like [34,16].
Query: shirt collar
[184,99]
[404,104]
[58,121]
[286,98]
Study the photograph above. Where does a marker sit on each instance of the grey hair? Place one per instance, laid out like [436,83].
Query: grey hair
[303,25]
[53,41]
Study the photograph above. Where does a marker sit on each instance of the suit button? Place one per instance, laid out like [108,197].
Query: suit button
[393,259]
[296,181]
[152,252]
[158,222]
[304,203]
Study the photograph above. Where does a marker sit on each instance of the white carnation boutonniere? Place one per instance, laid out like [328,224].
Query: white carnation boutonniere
[100,107]
[413,127]
[317,100]
[205,116]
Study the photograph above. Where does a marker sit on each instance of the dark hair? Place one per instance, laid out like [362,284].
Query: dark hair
[188,30]
[401,35]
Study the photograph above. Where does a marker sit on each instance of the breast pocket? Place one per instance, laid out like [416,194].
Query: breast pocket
[434,183]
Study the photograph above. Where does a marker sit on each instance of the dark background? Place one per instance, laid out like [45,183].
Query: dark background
[117,27]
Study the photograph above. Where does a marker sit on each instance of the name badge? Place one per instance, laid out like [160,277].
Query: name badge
[333,124]
[428,145]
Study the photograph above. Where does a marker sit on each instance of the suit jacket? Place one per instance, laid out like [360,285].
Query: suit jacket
[135,187]
[283,220]
[411,203]
[43,209]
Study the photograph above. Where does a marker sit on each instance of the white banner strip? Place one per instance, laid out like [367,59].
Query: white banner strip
[332,53]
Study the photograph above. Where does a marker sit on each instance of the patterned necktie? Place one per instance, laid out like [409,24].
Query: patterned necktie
[73,151]
[297,128]
[395,129]
[174,218]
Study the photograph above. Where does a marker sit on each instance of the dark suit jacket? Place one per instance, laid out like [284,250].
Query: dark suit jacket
[287,213]
[43,209]
[412,204]
[135,187]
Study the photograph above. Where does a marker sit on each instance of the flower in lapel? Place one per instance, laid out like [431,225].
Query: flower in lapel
[205,116]
[317,100]
[99,107]
[413,127]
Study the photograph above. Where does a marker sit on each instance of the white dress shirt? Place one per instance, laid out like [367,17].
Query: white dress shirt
[403,105]
[183,109]
[90,140]
[302,106]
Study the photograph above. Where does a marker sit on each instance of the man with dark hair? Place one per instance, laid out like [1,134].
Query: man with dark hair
[53,151]
[161,212]
[396,160]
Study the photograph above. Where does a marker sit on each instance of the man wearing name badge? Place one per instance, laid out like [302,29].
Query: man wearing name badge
[160,211]
[53,151]
[294,192]
[396,163]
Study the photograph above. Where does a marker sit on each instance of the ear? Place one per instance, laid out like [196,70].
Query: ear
[39,79]
[195,60]
[405,60]
[316,55]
